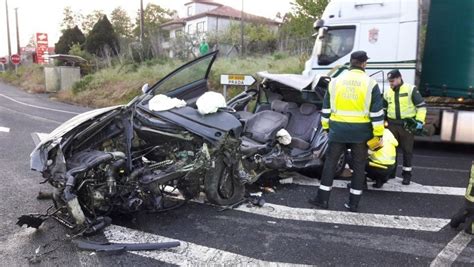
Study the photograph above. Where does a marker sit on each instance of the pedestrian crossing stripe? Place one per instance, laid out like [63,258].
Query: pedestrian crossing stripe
[341,217]
[347,218]
[393,185]
[187,254]
[4,129]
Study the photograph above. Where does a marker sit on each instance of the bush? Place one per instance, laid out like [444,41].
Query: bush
[82,84]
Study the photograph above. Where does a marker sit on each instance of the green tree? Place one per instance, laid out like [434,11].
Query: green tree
[70,19]
[121,22]
[90,20]
[154,16]
[299,23]
[102,38]
[70,37]
[258,38]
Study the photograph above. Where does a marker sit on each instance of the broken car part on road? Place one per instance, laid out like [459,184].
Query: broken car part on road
[122,247]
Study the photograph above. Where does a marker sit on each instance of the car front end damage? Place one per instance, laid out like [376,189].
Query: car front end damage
[115,162]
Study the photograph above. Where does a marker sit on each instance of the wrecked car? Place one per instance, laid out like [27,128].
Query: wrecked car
[131,158]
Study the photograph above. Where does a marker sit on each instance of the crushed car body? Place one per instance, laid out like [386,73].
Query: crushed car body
[137,157]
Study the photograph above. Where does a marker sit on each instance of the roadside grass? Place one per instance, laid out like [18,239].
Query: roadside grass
[120,84]
[29,77]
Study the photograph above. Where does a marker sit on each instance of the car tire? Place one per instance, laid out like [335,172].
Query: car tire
[341,165]
[221,186]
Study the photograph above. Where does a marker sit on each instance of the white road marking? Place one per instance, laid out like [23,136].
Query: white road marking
[340,217]
[187,254]
[454,248]
[393,185]
[38,107]
[348,218]
[4,129]
[31,116]
[437,169]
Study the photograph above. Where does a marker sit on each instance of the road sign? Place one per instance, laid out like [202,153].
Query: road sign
[3,60]
[15,59]
[41,46]
[237,79]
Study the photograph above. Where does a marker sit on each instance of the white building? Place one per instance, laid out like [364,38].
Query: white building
[206,16]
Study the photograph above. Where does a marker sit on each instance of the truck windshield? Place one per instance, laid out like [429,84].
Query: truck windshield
[336,43]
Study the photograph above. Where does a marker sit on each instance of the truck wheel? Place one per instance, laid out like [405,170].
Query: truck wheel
[221,186]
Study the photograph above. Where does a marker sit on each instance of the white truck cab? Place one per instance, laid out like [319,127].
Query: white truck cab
[386,29]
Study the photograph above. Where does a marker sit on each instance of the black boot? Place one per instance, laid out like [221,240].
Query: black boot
[353,204]
[379,183]
[406,181]
[469,227]
[321,200]
[406,177]
[458,218]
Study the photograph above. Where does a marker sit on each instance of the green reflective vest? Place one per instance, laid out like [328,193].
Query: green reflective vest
[407,107]
[350,97]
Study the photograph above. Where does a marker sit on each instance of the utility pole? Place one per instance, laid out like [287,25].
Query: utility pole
[242,30]
[142,23]
[8,31]
[17,32]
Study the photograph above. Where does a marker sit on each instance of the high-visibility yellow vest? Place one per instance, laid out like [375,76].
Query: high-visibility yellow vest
[407,108]
[350,97]
[386,155]
[470,187]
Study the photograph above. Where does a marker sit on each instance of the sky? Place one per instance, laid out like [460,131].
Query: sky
[46,15]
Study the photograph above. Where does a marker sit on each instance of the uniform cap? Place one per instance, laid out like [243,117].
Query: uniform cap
[360,56]
[394,74]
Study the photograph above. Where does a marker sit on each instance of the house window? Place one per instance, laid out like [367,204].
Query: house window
[190,11]
[178,33]
[191,28]
[200,27]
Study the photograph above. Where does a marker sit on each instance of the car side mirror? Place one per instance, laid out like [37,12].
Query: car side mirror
[145,88]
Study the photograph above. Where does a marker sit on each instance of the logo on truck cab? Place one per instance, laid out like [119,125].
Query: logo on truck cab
[373,35]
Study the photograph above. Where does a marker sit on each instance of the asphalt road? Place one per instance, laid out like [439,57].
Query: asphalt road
[400,225]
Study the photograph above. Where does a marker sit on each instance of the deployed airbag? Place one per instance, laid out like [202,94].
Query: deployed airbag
[283,137]
[163,102]
[210,102]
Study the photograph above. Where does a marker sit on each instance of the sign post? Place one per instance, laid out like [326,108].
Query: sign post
[236,80]
[41,47]
[3,61]
[15,59]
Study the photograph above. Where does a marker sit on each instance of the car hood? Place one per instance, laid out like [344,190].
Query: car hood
[38,156]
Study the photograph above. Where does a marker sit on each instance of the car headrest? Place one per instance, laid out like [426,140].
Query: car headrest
[307,108]
[280,106]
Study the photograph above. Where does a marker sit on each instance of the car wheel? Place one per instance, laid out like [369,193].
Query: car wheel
[221,186]
[341,164]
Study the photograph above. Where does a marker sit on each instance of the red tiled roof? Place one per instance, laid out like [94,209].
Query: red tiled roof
[224,12]
[175,21]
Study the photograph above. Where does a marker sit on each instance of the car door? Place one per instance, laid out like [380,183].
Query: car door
[187,82]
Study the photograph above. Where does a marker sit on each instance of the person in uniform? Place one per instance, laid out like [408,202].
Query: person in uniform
[382,160]
[403,102]
[352,114]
